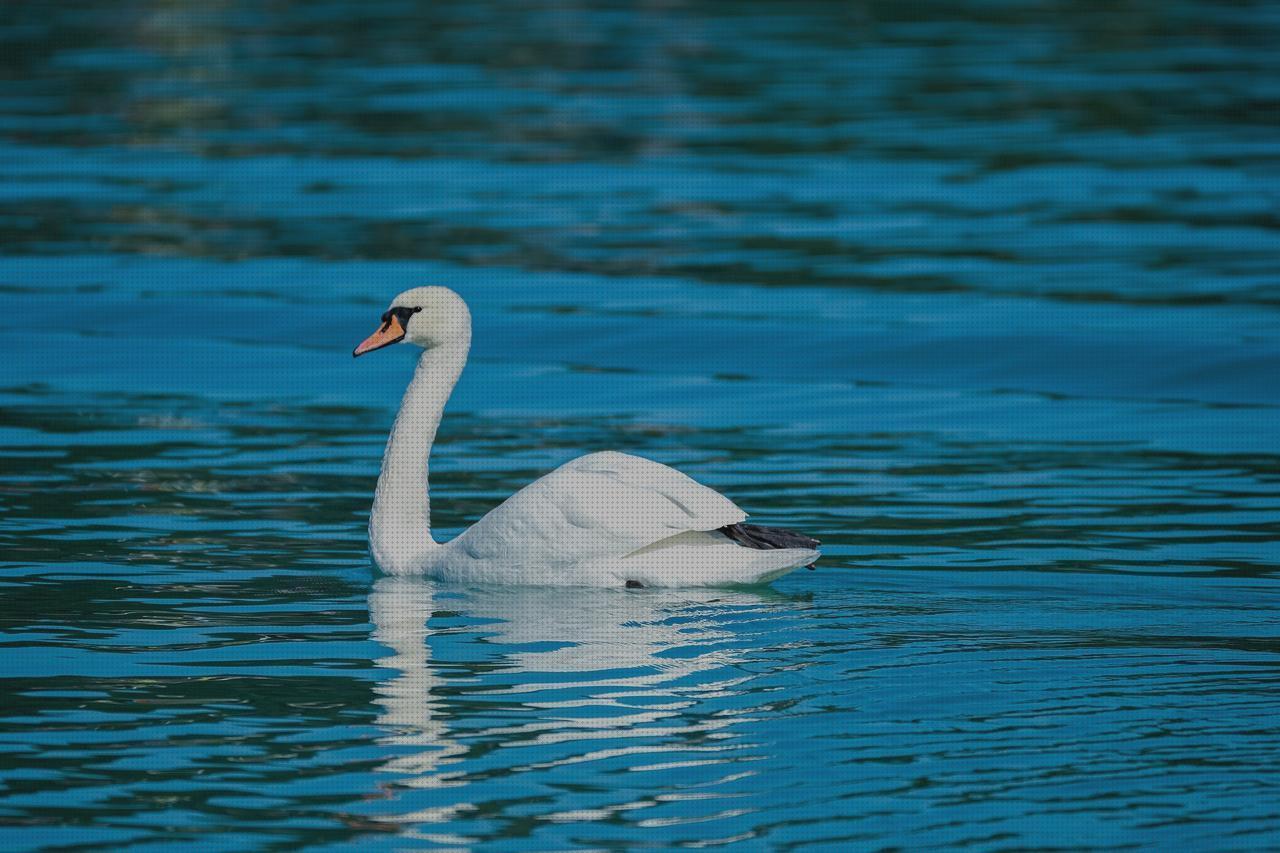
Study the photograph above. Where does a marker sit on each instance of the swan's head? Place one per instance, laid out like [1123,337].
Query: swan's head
[426,316]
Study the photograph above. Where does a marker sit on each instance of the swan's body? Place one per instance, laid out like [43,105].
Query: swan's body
[606,519]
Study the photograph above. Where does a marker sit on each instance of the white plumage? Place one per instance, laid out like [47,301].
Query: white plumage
[605,519]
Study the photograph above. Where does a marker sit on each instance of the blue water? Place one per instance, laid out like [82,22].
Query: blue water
[986,297]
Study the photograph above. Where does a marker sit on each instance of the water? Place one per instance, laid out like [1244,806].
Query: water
[985,299]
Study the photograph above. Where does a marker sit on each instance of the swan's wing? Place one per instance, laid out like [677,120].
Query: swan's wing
[598,506]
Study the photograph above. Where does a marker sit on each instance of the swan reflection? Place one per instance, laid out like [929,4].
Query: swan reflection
[478,670]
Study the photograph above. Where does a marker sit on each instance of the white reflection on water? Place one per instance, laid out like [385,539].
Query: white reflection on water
[399,608]
[580,667]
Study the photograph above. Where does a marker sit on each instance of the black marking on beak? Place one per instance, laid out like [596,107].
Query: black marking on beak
[400,313]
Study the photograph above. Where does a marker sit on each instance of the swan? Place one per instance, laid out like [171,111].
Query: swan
[604,519]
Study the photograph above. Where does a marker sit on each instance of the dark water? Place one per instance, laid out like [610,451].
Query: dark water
[985,296]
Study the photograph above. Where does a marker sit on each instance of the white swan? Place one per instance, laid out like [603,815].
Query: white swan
[606,519]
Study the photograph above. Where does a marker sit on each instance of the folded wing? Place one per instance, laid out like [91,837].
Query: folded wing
[598,506]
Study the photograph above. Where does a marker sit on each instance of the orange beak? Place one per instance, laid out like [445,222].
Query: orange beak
[391,332]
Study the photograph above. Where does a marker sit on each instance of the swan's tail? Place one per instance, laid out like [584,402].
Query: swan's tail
[735,555]
[768,538]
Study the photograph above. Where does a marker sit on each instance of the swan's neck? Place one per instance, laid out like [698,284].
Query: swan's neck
[400,524]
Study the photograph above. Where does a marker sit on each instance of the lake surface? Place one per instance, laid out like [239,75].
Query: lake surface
[989,303]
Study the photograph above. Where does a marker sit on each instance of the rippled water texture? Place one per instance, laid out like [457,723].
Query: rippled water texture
[986,296]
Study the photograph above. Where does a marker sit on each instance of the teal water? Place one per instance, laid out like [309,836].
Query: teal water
[987,298]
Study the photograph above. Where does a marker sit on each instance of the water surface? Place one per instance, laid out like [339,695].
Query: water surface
[987,302]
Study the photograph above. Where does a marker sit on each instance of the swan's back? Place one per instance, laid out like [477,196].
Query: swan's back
[599,507]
